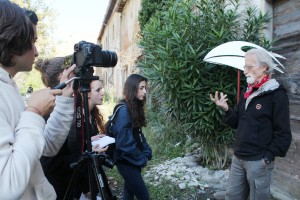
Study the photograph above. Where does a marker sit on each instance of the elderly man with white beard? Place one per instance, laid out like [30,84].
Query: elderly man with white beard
[263,131]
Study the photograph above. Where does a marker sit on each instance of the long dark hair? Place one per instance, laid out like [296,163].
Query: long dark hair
[136,106]
[16,32]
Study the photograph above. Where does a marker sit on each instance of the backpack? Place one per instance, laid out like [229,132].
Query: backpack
[109,132]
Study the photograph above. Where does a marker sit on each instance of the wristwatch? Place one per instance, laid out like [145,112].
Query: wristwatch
[267,161]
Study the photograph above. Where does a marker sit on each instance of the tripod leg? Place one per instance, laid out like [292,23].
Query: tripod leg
[102,182]
[106,185]
[69,191]
[92,182]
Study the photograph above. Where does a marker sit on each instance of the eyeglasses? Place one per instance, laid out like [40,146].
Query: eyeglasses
[248,67]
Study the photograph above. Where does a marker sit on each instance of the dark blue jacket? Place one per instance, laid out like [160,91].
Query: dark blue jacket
[127,148]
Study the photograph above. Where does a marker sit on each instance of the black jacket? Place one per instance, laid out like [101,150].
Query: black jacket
[58,171]
[262,123]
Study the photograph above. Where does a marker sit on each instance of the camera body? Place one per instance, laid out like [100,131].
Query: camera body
[87,54]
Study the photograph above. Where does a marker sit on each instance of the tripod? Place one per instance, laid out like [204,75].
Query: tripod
[97,179]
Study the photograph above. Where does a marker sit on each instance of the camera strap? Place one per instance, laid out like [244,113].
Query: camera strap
[78,115]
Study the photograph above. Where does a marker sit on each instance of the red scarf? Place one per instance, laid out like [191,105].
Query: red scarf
[257,85]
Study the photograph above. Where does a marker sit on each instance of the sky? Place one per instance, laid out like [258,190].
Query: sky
[77,20]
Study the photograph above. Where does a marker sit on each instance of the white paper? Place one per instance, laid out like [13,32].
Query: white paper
[82,197]
[103,142]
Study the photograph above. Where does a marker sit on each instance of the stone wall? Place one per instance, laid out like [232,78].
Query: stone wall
[286,29]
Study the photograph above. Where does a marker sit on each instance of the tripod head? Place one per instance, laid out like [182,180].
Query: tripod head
[100,159]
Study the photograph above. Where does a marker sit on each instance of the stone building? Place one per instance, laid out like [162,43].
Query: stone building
[120,32]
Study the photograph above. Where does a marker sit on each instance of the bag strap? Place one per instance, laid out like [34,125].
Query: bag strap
[116,111]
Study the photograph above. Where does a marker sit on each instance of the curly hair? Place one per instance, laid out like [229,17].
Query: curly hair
[16,32]
[136,106]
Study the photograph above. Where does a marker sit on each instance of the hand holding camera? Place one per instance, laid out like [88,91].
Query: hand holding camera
[67,74]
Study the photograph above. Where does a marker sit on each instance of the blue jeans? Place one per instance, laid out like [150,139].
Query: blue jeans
[249,179]
[134,184]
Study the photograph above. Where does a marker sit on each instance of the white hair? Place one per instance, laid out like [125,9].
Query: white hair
[263,58]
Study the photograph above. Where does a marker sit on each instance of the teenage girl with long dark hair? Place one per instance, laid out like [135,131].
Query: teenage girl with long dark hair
[132,150]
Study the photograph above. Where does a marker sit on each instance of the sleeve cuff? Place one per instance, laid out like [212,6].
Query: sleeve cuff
[269,156]
[64,104]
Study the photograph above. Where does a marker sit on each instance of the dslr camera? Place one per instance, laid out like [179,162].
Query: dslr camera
[87,54]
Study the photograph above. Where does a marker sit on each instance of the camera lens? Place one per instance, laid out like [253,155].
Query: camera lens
[109,58]
[109,162]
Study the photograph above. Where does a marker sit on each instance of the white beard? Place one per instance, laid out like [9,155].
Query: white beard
[250,79]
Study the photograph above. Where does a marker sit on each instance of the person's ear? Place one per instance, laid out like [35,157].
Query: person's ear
[265,67]
[59,76]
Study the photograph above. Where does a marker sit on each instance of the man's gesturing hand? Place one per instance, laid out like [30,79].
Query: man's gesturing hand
[221,102]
